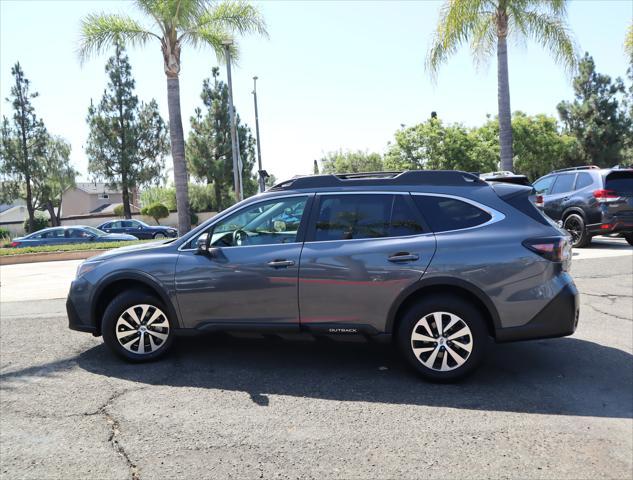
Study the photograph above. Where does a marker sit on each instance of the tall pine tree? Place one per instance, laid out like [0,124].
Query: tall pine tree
[597,117]
[128,139]
[209,150]
[33,165]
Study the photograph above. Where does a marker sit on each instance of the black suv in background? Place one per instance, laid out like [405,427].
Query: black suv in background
[140,230]
[588,201]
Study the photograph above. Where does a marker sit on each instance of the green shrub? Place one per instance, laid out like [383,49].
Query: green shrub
[118,211]
[41,222]
[156,211]
[71,247]
[164,195]
[194,218]
[201,197]
[5,237]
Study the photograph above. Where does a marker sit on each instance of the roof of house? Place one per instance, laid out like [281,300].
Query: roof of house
[8,206]
[95,187]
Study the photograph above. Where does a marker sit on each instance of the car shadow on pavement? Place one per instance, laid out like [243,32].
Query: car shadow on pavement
[565,376]
[561,377]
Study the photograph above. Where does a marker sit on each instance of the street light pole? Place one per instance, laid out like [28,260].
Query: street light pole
[260,172]
[237,184]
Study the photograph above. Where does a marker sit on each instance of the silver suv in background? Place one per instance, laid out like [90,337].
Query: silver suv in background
[439,261]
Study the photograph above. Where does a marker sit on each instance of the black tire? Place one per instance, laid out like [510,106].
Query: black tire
[159,235]
[576,227]
[452,305]
[116,309]
[629,238]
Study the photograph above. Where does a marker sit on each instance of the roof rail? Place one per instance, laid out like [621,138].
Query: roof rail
[584,167]
[409,177]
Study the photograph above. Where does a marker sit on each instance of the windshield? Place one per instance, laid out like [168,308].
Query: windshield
[95,232]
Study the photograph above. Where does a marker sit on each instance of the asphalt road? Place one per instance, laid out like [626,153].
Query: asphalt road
[299,407]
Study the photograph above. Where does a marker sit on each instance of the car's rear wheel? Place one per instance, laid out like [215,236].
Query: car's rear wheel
[575,225]
[443,337]
[159,235]
[629,238]
[136,326]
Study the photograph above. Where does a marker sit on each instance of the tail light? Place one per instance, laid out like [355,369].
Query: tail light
[15,244]
[554,249]
[604,196]
[539,202]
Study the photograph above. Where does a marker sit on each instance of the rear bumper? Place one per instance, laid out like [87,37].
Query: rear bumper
[558,318]
[614,226]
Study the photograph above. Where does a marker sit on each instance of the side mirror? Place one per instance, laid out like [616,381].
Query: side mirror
[202,246]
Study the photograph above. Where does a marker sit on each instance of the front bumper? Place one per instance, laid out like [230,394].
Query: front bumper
[558,318]
[78,307]
[74,320]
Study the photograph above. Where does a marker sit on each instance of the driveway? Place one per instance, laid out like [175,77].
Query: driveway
[303,407]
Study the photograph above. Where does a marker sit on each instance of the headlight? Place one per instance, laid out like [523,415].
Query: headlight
[86,267]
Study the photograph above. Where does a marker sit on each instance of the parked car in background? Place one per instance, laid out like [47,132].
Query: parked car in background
[139,229]
[588,201]
[70,234]
[505,177]
[439,261]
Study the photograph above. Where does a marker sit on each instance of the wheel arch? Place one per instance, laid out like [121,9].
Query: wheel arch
[444,285]
[115,284]
[571,210]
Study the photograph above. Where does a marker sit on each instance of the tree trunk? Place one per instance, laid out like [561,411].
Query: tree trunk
[503,97]
[218,195]
[51,213]
[178,155]
[29,204]
[125,196]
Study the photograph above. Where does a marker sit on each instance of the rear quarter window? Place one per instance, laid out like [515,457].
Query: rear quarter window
[444,214]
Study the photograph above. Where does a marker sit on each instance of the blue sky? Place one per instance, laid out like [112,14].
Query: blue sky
[333,74]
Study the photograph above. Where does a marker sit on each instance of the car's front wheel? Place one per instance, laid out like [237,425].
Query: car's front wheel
[443,337]
[136,326]
[159,235]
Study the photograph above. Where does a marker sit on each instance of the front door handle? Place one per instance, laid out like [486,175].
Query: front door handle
[403,257]
[281,263]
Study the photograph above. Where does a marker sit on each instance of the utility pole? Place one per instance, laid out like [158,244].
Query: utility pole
[260,172]
[237,173]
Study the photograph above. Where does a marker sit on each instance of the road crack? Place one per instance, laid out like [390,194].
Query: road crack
[115,430]
[610,314]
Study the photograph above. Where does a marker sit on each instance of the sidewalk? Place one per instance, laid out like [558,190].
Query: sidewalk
[36,281]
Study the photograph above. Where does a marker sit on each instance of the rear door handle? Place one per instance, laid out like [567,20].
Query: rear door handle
[281,263]
[403,257]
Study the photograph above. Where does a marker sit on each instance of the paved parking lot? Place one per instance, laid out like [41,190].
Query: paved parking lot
[300,407]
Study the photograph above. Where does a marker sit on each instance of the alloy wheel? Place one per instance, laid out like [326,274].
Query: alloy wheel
[573,226]
[441,341]
[142,329]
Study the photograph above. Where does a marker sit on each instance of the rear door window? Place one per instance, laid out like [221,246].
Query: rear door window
[564,183]
[583,180]
[444,214]
[351,217]
[620,182]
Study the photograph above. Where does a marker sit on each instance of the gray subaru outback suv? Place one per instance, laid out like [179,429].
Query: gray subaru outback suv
[439,261]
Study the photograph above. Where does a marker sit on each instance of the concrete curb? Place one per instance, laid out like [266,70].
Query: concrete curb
[48,256]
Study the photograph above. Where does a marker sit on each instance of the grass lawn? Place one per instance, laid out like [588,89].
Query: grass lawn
[72,247]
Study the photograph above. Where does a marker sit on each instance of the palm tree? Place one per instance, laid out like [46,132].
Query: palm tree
[174,23]
[486,24]
[628,42]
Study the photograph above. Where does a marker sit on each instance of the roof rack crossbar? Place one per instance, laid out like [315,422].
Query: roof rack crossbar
[409,177]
